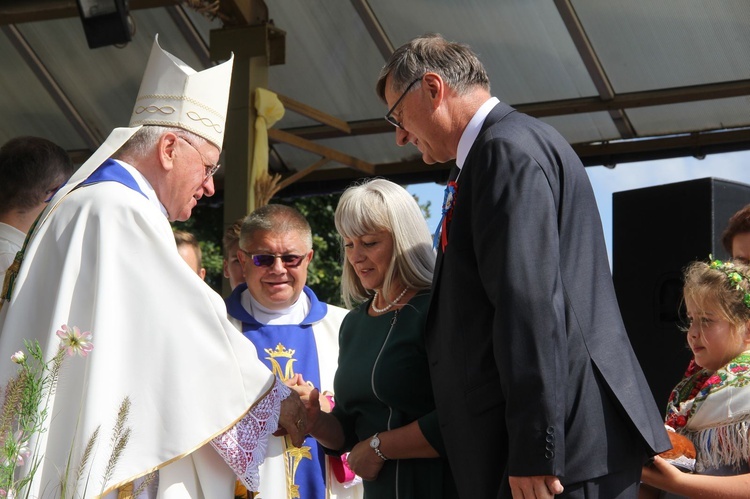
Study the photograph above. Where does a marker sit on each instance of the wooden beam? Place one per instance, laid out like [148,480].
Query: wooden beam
[661,97]
[593,154]
[303,173]
[320,150]
[412,171]
[315,114]
[697,145]
[361,127]
[583,105]
[263,40]
[244,12]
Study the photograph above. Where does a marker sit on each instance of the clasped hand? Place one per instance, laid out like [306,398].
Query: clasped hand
[310,398]
[362,460]
[293,420]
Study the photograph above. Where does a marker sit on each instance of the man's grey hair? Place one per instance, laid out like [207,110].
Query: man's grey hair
[454,62]
[143,141]
[277,218]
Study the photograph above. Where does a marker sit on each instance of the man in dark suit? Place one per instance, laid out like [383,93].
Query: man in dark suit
[537,388]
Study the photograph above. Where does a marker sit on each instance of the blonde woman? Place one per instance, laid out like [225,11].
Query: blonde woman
[385,412]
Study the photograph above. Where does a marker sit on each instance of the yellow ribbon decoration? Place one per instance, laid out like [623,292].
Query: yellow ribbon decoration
[269,110]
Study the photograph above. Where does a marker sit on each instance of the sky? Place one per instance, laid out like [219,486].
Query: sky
[627,176]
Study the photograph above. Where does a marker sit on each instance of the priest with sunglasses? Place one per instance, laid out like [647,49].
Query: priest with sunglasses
[296,335]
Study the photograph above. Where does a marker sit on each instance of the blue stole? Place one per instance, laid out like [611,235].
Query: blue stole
[112,171]
[287,350]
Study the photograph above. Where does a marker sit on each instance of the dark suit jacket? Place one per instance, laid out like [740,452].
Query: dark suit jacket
[531,366]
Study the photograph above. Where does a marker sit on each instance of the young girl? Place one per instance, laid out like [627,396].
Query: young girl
[711,405]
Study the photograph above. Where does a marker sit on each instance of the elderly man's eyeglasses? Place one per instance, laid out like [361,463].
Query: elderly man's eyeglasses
[389,116]
[265,260]
[210,167]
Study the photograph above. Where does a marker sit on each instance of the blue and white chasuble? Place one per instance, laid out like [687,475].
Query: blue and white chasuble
[290,349]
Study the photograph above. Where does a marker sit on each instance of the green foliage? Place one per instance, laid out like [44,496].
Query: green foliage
[324,272]
[206,223]
[426,212]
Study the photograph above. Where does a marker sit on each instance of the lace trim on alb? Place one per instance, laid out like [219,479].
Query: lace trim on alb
[243,446]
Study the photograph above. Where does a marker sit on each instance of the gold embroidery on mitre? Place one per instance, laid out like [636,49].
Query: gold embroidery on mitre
[207,122]
[154,109]
[167,98]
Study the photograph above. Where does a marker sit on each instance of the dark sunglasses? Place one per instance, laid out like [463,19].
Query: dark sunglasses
[267,260]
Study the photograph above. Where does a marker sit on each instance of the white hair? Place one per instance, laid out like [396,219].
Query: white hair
[144,140]
[376,205]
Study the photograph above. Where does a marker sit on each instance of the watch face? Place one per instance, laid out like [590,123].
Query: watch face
[374,442]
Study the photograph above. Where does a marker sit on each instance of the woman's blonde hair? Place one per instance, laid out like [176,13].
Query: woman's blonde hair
[722,287]
[376,205]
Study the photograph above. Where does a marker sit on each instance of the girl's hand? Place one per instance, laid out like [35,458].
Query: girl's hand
[661,474]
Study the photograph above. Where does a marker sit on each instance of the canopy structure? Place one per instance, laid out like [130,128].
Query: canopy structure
[622,80]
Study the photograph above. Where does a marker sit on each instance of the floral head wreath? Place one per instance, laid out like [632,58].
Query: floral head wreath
[735,276]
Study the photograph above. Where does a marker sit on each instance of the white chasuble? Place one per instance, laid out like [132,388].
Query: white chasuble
[105,261]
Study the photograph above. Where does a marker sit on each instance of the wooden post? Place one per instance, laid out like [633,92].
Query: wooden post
[255,48]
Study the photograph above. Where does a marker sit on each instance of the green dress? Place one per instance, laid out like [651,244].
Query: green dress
[382,383]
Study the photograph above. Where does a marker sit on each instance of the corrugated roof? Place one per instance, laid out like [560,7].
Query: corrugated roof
[622,80]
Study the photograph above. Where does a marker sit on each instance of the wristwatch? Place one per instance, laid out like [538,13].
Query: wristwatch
[375,445]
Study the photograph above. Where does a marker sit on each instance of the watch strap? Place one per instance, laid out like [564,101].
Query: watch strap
[377,449]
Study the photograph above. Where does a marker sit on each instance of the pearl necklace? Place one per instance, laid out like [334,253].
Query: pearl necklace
[390,305]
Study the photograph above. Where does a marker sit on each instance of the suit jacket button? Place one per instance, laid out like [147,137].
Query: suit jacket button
[549,454]
[550,438]
[550,446]
[550,430]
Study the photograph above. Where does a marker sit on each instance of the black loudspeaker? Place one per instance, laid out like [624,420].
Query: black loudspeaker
[105,22]
[656,233]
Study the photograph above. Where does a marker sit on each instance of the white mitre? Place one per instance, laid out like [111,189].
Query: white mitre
[172,94]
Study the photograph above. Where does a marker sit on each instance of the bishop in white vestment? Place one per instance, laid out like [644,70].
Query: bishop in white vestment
[103,258]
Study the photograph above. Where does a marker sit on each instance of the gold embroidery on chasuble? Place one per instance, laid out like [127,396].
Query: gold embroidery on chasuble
[282,362]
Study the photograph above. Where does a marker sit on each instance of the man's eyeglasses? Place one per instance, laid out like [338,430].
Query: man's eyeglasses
[210,168]
[389,116]
[264,260]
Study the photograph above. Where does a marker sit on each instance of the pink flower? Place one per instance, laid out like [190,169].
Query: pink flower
[74,341]
[19,357]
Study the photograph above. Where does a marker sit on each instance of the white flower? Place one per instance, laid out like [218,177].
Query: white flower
[19,357]
[74,341]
